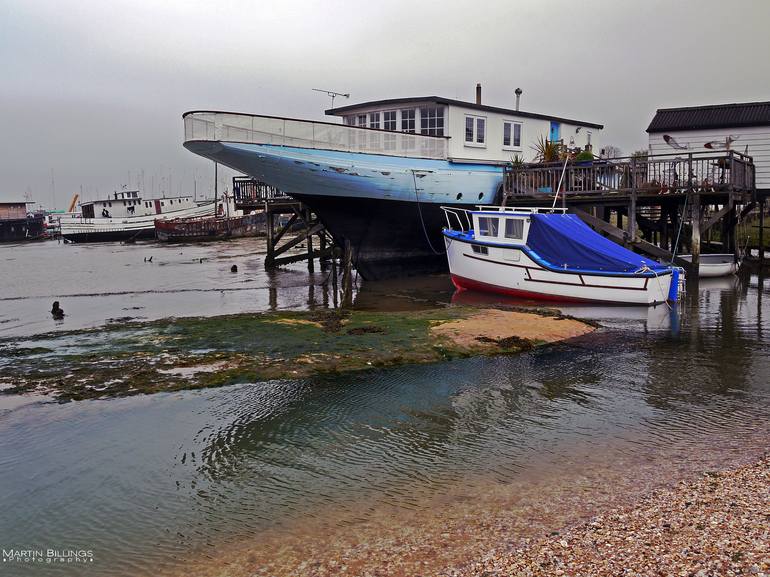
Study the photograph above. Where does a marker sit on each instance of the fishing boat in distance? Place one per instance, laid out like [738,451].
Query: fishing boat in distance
[714,265]
[545,253]
[127,216]
[209,228]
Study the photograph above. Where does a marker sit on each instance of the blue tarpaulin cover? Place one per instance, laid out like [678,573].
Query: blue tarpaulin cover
[564,239]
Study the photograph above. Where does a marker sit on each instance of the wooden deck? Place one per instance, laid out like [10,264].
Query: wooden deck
[661,205]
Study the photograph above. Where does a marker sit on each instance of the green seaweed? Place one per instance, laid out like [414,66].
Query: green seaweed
[187,353]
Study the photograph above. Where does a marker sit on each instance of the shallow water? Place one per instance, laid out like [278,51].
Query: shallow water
[148,482]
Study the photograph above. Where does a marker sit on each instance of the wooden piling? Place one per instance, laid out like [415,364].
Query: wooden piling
[696,219]
[762,231]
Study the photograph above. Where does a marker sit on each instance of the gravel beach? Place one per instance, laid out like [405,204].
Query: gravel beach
[718,524]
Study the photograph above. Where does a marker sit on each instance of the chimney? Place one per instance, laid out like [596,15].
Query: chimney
[478,93]
[518,96]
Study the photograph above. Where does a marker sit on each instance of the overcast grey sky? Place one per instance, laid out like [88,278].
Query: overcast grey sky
[92,91]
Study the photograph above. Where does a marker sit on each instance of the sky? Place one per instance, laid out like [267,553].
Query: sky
[92,92]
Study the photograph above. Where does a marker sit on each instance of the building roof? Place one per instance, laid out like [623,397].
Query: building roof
[713,116]
[440,100]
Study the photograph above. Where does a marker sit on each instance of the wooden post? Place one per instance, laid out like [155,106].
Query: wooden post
[733,236]
[310,265]
[632,204]
[347,276]
[270,256]
[762,232]
[696,218]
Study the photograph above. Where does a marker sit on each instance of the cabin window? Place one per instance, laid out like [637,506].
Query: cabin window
[479,249]
[361,120]
[432,121]
[488,226]
[514,228]
[389,120]
[407,120]
[475,130]
[374,120]
[512,134]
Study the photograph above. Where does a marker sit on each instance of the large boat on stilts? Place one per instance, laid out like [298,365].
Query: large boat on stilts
[547,254]
[378,180]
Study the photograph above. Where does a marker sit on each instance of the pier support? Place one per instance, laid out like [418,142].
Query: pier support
[298,215]
[696,220]
[762,231]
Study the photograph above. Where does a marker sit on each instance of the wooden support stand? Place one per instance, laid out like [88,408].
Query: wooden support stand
[303,221]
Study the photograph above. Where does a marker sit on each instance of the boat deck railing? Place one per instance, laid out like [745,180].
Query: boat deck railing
[677,173]
[272,130]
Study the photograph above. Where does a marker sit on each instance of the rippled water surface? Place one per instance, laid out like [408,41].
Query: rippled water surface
[146,481]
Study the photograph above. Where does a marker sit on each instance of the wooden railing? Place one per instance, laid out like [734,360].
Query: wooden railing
[727,171]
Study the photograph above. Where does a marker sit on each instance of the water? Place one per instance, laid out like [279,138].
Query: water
[148,483]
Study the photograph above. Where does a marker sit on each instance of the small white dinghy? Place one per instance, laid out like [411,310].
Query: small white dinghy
[545,253]
[712,265]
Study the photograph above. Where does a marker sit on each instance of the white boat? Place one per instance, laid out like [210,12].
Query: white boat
[712,265]
[127,216]
[545,253]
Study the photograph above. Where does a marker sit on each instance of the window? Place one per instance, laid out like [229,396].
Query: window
[389,120]
[350,120]
[514,228]
[512,134]
[374,120]
[432,121]
[361,120]
[488,225]
[407,120]
[475,130]
[479,249]
[469,129]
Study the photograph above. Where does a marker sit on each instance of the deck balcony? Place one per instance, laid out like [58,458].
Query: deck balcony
[276,131]
[719,173]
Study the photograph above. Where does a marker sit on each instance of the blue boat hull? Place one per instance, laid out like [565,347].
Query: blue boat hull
[387,207]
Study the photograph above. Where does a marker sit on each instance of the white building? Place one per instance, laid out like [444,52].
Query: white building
[745,128]
[477,132]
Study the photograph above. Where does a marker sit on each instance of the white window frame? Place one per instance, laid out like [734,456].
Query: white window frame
[413,120]
[475,136]
[361,120]
[436,130]
[374,119]
[394,120]
[513,145]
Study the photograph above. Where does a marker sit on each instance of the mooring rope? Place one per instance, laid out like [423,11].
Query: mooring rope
[645,269]
[422,221]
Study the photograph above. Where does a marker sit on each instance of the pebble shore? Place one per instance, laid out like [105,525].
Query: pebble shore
[716,525]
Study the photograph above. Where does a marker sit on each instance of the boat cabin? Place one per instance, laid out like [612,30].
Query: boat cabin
[475,131]
[129,203]
[13,210]
[502,226]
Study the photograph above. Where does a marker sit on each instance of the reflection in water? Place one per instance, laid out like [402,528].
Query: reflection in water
[193,470]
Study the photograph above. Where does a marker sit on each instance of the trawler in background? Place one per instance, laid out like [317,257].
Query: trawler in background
[127,216]
[378,180]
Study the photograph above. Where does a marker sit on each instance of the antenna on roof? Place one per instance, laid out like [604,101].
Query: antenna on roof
[331,94]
